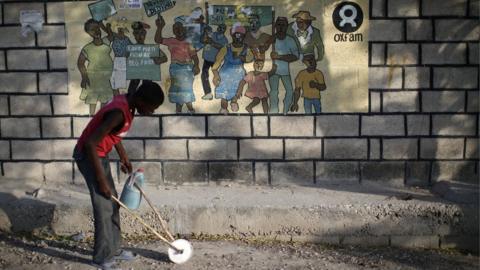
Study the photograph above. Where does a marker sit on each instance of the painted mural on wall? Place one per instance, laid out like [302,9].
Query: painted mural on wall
[226,57]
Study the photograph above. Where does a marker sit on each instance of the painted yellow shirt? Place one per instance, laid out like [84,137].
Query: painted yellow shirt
[303,81]
[223,51]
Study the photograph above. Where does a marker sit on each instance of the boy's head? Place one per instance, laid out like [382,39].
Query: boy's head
[92,28]
[221,28]
[258,64]
[309,61]
[140,31]
[179,30]
[148,97]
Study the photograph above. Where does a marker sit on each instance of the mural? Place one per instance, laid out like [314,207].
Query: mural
[238,45]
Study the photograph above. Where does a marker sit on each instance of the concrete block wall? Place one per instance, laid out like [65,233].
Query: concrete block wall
[422,125]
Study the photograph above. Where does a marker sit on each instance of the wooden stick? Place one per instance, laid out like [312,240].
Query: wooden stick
[146,225]
[162,221]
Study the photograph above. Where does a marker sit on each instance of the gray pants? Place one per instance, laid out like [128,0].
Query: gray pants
[105,212]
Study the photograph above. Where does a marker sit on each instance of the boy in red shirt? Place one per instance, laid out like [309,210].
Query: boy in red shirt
[105,131]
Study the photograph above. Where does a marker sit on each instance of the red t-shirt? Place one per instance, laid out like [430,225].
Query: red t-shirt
[107,143]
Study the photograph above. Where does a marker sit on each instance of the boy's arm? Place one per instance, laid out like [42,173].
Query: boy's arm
[273,70]
[111,120]
[126,165]
[296,97]
[160,22]
[83,70]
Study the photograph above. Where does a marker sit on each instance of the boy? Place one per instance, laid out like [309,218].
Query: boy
[311,81]
[104,131]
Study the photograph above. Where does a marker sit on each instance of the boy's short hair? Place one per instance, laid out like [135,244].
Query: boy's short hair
[88,24]
[150,92]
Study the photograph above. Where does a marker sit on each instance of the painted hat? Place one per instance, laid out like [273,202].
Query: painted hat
[304,15]
[238,28]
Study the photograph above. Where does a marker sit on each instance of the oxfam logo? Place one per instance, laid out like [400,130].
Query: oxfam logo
[347,17]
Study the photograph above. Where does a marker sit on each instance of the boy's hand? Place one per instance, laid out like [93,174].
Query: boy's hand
[274,55]
[85,82]
[196,70]
[105,190]
[126,166]
[313,84]
[160,22]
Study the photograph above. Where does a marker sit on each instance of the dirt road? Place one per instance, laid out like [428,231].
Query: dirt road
[42,253]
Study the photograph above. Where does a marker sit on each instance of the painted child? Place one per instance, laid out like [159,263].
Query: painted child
[257,89]
[104,132]
[310,81]
[96,75]
[183,66]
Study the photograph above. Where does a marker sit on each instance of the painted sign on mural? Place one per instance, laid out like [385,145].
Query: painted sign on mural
[217,57]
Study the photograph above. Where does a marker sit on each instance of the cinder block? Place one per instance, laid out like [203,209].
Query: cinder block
[444,53]
[14,82]
[79,124]
[212,149]
[462,242]
[460,30]
[471,150]
[180,172]
[12,10]
[418,29]
[462,171]
[472,101]
[345,149]
[62,149]
[4,105]
[473,53]
[52,35]
[389,173]
[375,103]
[402,101]
[418,124]
[55,12]
[403,8]
[168,149]
[297,126]
[378,8]
[58,172]
[372,241]
[417,77]
[454,124]
[337,173]
[2,60]
[417,173]
[27,59]
[441,148]
[53,82]
[152,173]
[303,149]
[420,241]
[20,127]
[56,127]
[22,170]
[183,126]
[58,58]
[443,101]
[297,173]
[260,126]
[385,78]
[30,105]
[474,9]
[383,125]
[145,127]
[12,37]
[399,148]
[386,30]
[402,54]
[231,171]
[65,105]
[4,149]
[444,8]
[261,173]
[337,125]
[134,149]
[377,55]
[261,149]
[374,149]
[229,126]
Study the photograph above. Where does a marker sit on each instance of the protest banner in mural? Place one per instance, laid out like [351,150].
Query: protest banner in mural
[102,9]
[140,63]
[154,7]
[229,14]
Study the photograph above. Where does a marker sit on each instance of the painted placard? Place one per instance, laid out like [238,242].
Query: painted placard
[140,63]
[102,9]
[229,14]
[154,7]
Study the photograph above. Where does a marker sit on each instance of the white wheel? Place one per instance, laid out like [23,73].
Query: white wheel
[180,257]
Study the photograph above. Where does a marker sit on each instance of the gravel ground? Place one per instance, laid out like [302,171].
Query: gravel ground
[43,252]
